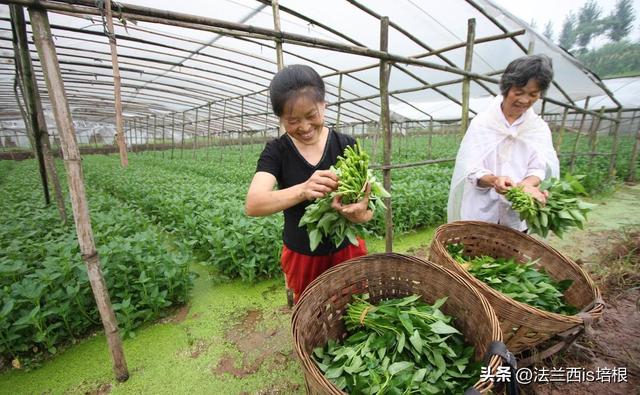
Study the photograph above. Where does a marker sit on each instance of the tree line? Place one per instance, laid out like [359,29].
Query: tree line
[619,55]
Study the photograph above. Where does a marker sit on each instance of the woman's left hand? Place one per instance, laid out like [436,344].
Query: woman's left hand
[540,196]
[356,212]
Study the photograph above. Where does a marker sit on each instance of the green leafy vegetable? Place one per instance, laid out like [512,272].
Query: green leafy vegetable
[562,210]
[353,172]
[396,347]
[519,281]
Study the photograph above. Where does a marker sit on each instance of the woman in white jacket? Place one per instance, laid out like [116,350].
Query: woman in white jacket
[507,145]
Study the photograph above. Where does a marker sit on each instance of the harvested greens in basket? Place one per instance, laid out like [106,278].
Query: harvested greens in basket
[562,210]
[353,172]
[519,281]
[399,346]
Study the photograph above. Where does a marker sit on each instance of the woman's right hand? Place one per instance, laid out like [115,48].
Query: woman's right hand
[319,184]
[502,184]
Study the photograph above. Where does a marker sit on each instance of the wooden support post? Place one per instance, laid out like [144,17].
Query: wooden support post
[385,122]
[208,132]
[162,144]
[224,114]
[430,149]
[572,165]
[633,166]
[593,138]
[466,83]
[240,134]
[173,129]
[195,134]
[136,140]
[276,26]
[614,145]
[339,102]
[43,40]
[122,148]
[24,69]
[544,103]
[561,131]
[182,138]
[146,134]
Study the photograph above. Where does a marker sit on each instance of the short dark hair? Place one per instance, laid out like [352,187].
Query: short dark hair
[520,71]
[293,81]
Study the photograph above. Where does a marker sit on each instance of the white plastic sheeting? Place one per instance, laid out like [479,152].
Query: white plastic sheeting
[167,68]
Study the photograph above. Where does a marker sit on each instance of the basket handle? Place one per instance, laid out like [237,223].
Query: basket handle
[500,349]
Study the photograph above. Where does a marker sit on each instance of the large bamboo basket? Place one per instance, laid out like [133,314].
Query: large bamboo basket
[523,326]
[318,315]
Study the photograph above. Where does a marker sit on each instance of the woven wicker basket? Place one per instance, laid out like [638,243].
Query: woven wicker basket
[523,326]
[318,315]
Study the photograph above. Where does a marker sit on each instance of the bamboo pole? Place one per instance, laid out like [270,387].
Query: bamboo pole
[122,148]
[163,128]
[634,158]
[466,83]
[224,112]
[575,143]
[276,25]
[593,138]
[561,131]
[173,129]
[240,133]
[46,50]
[614,145]
[182,138]
[27,78]
[208,132]
[385,122]
[339,99]
[429,152]
[195,135]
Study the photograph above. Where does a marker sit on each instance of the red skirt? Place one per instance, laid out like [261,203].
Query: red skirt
[300,270]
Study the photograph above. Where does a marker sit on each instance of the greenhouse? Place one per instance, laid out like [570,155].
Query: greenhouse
[129,139]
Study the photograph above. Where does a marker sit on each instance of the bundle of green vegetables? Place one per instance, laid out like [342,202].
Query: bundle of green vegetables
[400,346]
[519,281]
[353,172]
[562,210]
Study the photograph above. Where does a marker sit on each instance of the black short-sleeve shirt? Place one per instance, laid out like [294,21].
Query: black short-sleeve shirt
[281,158]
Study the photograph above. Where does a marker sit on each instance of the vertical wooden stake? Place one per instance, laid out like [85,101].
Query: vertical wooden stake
[385,122]
[208,131]
[578,132]
[173,129]
[182,138]
[593,139]
[614,145]
[276,26]
[195,135]
[466,82]
[634,158]
[122,147]
[339,100]
[561,131]
[46,50]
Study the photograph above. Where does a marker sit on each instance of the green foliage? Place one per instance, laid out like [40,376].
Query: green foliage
[398,346]
[322,221]
[613,59]
[568,34]
[562,210]
[522,282]
[620,21]
[45,296]
[590,24]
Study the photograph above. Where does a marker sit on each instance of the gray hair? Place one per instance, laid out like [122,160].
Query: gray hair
[520,71]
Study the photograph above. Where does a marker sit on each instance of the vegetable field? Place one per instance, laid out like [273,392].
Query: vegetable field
[159,217]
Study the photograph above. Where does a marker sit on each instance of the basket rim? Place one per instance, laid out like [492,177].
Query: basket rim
[595,308]
[305,357]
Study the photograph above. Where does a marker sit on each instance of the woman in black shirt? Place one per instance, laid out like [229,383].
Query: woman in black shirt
[298,162]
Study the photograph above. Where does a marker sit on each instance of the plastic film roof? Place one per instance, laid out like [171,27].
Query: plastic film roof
[167,70]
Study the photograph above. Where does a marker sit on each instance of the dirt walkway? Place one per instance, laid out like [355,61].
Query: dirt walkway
[612,351]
